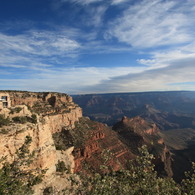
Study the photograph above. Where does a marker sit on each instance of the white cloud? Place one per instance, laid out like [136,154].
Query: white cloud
[94,16]
[39,43]
[43,56]
[83,2]
[87,2]
[116,2]
[168,78]
[163,58]
[64,44]
[155,23]
[37,50]
[69,80]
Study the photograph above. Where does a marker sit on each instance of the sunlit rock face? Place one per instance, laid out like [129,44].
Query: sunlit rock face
[39,116]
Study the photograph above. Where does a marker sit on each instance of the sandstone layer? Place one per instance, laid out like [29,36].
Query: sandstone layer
[38,116]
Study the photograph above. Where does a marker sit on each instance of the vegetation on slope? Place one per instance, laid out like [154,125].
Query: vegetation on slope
[16,178]
[4,120]
[75,137]
[139,179]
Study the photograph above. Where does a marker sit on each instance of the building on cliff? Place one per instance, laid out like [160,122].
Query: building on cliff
[4,100]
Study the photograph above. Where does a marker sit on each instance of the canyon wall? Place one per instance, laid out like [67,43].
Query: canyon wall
[60,133]
[136,132]
[38,116]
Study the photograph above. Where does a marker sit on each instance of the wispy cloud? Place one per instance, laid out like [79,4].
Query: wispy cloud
[167,57]
[155,23]
[83,2]
[39,43]
[167,78]
[96,15]
[87,2]
[36,50]
[116,2]
[41,49]
[70,80]
[161,32]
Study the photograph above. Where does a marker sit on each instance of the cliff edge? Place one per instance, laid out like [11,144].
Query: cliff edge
[38,116]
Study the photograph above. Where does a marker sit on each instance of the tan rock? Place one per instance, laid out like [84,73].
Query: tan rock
[56,112]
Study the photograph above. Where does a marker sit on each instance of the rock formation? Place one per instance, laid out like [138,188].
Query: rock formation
[91,139]
[38,115]
[136,132]
[46,117]
[60,133]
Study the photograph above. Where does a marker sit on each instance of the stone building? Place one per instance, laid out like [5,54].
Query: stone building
[4,100]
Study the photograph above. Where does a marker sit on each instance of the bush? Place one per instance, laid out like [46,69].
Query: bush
[13,180]
[25,119]
[4,131]
[48,190]
[188,184]
[4,121]
[20,119]
[15,110]
[61,167]
[139,179]
[33,119]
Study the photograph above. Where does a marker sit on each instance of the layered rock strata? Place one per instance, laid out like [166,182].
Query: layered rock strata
[38,116]
[136,132]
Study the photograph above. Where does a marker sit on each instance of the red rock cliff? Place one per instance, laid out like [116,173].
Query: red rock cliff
[137,131]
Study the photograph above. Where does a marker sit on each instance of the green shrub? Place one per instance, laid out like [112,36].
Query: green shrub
[139,179]
[20,119]
[25,119]
[13,180]
[4,121]
[188,184]
[15,110]
[48,191]
[33,118]
[4,131]
[61,167]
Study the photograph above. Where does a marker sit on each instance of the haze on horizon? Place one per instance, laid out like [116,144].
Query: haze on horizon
[97,46]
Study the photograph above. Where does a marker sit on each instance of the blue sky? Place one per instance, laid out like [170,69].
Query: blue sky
[97,46]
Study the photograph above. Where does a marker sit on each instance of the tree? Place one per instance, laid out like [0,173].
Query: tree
[188,184]
[17,181]
[139,179]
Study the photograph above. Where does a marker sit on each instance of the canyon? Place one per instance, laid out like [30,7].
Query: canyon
[61,134]
[173,112]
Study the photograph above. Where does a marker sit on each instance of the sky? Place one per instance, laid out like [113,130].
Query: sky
[97,46]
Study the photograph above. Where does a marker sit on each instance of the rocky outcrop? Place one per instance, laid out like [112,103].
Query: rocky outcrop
[136,132]
[32,98]
[38,116]
[91,140]
[42,144]
[103,140]
[58,121]
[140,125]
